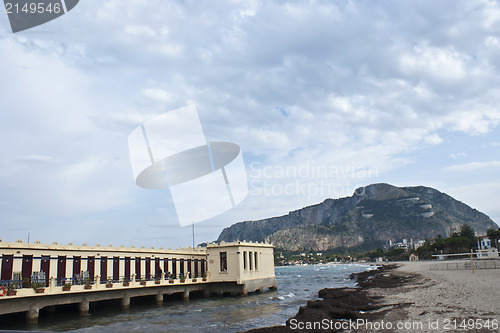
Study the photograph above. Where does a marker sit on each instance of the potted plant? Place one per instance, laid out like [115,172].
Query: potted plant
[11,289]
[157,280]
[195,279]
[143,282]
[126,282]
[67,286]
[38,288]
[182,278]
[87,284]
[109,283]
[204,276]
[171,280]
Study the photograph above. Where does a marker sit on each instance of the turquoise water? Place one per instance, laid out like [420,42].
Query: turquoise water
[296,285]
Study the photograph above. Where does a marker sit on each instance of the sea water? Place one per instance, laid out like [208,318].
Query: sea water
[296,285]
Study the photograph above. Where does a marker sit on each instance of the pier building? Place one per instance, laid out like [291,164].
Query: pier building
[35,275]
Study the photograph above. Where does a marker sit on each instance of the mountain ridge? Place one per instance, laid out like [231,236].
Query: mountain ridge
[372,215]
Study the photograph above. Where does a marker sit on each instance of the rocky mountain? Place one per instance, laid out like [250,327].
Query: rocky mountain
[365,220]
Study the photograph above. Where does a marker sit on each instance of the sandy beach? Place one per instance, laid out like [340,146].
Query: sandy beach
[405,297]
[444,297]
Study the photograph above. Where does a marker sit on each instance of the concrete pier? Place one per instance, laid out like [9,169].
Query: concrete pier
[120,273]
[159,298]
[32,314]
[32,304]
[83,307]
[126,301]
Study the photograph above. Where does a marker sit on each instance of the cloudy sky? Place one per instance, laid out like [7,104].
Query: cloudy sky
[322,97]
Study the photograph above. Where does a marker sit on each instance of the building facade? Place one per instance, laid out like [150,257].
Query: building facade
[249,264]
[73,264]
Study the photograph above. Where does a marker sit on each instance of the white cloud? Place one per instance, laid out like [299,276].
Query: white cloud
[158,95]
[458,155]
[487,202]
[473,166]
[81,171]
[438,63]
[433,139]
[34,158]
[140,31]
[491,14]
[364,83]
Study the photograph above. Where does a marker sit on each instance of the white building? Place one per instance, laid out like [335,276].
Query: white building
[34,275]
[486,250]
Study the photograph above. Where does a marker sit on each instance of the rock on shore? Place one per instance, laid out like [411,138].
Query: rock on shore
[340,304]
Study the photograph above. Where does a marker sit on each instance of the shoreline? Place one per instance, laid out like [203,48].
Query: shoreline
[340,304]
[403,296]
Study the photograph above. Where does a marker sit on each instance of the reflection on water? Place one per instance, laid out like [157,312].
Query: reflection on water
[258,309]
[296,285]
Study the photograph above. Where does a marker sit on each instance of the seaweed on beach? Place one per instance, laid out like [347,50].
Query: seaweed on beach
[341,304]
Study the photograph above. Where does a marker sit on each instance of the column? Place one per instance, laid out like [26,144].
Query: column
[159,298]
[83,307]
[32,314]
[126,301]
[52,284]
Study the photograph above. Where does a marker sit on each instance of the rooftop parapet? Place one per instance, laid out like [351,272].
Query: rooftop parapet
[37,245]
[239,243]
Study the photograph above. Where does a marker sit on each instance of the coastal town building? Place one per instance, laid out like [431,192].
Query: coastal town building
[483,243]
[35,275]
[485,249]
[405,244]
